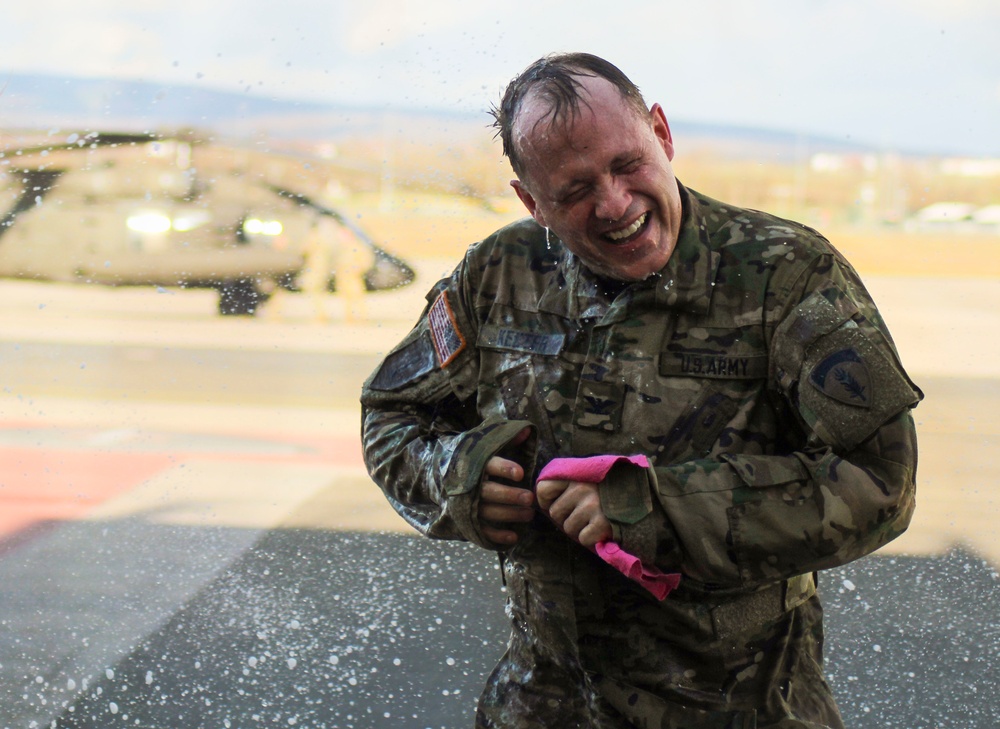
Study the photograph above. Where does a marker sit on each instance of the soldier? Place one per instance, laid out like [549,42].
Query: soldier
[664,412]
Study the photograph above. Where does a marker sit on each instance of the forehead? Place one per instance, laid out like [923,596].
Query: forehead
[601,118]
[600,112]
[540,115]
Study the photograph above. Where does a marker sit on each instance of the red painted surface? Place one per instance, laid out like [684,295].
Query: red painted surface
[38,485]
[41,485]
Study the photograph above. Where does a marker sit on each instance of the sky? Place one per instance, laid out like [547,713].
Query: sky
[913,75]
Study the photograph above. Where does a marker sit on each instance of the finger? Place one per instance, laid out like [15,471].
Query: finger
[499,536]
[504,468]
[598,530]
[565,502]
[586,527]
[582,517]
[577,506]
[499,513]
[522,436]
[497,493]
[548,491]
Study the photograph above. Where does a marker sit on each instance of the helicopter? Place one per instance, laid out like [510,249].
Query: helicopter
[170,210]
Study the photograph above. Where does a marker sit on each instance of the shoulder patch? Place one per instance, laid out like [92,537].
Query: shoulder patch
[844,376]
[448,340]
[405,365]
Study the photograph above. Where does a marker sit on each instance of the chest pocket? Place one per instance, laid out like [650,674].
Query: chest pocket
[710,353]
[720,372]
[522,374]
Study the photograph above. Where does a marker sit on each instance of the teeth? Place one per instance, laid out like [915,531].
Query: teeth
[626,232]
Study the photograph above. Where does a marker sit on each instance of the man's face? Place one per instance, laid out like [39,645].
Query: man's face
[601,180]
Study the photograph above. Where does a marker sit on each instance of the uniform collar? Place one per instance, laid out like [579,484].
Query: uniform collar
[688,279]
[685,282]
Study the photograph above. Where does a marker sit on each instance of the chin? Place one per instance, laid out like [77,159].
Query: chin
[640,270]
[627,276]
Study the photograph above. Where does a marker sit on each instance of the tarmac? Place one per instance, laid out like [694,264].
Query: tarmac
[188,537]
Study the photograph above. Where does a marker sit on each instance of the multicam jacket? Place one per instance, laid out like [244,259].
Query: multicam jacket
[757,376]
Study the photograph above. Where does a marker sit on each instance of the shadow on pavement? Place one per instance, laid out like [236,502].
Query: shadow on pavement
[314,628]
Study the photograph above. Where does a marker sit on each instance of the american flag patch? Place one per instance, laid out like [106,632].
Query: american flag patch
[448,341]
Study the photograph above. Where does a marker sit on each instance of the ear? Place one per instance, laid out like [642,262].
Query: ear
[662,130]
[529,202]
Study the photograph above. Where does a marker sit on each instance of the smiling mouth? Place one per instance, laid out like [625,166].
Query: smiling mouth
[618,236]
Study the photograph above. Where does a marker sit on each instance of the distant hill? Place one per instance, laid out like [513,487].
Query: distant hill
[38,96]
[34,101]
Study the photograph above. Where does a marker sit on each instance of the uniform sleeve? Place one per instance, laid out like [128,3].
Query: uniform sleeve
[423,443]
[845,489]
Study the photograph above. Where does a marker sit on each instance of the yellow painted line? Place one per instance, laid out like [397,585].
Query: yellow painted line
[256,495]
[220,493]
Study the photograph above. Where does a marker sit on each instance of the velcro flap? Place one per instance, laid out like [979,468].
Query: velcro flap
[626,495]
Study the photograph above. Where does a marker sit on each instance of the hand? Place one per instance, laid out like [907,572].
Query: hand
[575,507]
[501,505]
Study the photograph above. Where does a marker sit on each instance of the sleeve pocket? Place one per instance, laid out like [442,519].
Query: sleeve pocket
[763,471]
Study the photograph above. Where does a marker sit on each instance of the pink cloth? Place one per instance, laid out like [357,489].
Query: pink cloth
[660,584]
[593,470]
[588,470]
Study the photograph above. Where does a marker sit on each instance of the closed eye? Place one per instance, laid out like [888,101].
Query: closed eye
[627,167]
[574,195]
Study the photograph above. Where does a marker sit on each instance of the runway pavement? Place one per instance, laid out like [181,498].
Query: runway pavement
[188,537]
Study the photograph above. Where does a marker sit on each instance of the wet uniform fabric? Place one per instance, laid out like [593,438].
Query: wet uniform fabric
[759,379]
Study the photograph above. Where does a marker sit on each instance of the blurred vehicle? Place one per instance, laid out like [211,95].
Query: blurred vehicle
[171,211]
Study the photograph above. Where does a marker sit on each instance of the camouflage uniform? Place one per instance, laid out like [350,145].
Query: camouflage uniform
[755,373]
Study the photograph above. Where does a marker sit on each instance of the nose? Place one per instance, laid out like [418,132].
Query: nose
[613,199]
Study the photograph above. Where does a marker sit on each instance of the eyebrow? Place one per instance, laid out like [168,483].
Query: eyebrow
[569,188]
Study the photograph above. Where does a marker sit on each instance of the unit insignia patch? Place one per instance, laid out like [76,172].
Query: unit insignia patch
[844,377]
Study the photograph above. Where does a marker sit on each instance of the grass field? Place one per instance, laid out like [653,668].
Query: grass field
[898,253]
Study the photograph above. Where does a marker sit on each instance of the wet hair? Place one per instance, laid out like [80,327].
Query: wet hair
[555,78]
